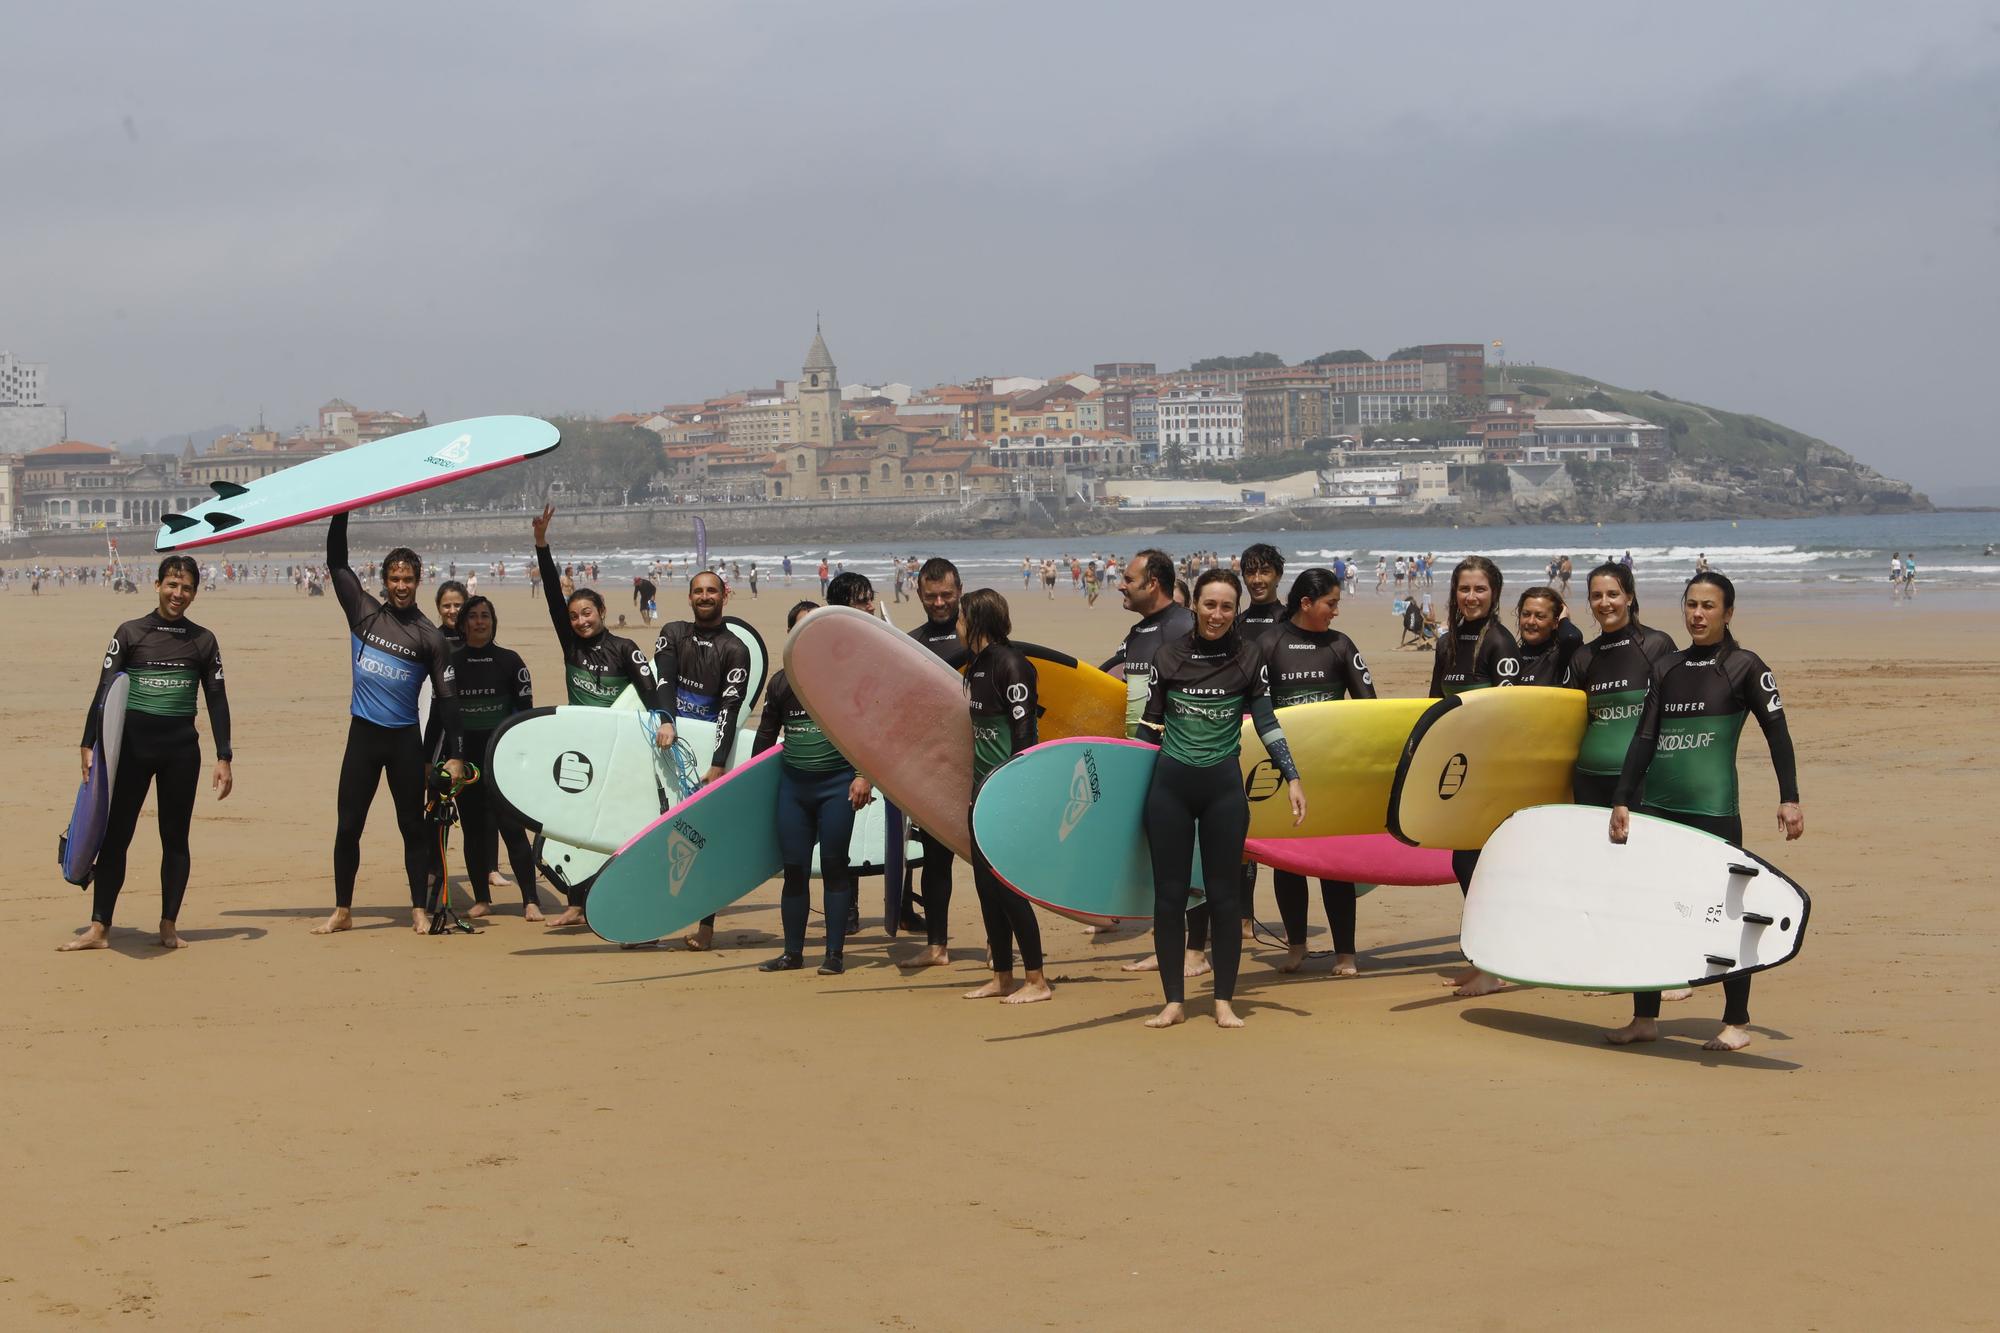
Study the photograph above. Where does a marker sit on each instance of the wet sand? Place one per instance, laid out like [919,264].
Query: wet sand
[533,1129]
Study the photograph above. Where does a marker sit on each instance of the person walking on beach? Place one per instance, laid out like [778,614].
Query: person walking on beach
[165,658]
[1682,763]
[824,574]
[788,571]
[1381,571]
[938,589]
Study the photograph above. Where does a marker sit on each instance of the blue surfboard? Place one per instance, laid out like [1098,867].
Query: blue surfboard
[77,848]
[352,478]
[1063,825]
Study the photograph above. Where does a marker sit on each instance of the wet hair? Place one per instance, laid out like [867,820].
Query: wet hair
[403,555]
[478,599]
[1159,568]
[450,585]
[1553,597]
[1721,583]
[587,595]
[849,589]
[1262,556]
[1612,569]
[1480,564]
[986,617]
[937,569]
[1209,576]
[799,609]
[184,563]
[1311,585]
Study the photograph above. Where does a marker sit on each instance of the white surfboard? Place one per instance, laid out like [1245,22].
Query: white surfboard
[1556,903]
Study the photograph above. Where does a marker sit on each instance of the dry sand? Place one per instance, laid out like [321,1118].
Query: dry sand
[534,1130]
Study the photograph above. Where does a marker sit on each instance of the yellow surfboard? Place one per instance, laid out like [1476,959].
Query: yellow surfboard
[1346,750]
[1477,757]
[1077,699]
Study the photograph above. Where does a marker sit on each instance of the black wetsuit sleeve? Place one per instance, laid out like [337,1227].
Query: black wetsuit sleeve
[114,662]
[777,700]
[346,583]
[524,685]
[1265,715]
[1442,654]
[553,593]
[735,657]
[1578,676]
[444,699]
[667,669]
[216,697]
[1639,755]
[1113,662]
[1360,684]
[1023,724]
[1759,692]
[1155,714]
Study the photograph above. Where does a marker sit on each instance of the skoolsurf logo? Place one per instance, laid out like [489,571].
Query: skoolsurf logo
[453,454]
[1264,781]
[573,771]
[684,844]
[1452,778]
[1084,791]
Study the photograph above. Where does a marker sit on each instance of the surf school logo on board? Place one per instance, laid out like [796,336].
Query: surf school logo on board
[1264,781]
[452,455]
[1084,791]
[573,771]
[684,844]
[1452,777]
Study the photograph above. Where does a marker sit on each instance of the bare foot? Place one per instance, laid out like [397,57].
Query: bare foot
[532,912]
[1295,958]
[1035,988]
[994,989]
[1249,931]
[170,938]
[702,940]
[1678,993]
[1171,1016]
[1106,930]
[1731,1038]
[1225,1015]
[478,910]
[571,916]
[420,921]
[1345,965]
[1482,983]
[1196,964]
[96,937]
[934,955]
[342,919]
[1146,964]
[1462,977]
[1638,1030]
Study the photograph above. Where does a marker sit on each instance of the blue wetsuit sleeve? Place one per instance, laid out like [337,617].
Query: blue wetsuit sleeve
[217,698]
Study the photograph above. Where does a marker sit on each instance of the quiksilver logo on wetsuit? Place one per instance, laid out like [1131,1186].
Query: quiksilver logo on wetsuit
[1084,791]
[453,454]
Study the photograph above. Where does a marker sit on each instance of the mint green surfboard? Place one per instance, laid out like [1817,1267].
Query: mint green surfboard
[1063,825]
[354,478]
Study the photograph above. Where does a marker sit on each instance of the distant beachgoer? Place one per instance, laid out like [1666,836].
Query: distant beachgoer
[1700,563]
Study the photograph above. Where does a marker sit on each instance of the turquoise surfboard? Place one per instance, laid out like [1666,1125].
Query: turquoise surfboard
[352,478]
[1063,825]
[693,861]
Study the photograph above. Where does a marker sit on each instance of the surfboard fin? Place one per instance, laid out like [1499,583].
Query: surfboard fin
[1721,962]
[227,489]
[179,522]
[1738,868]
[222,521]
[1756,919]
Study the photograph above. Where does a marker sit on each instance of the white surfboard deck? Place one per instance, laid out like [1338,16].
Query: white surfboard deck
[1555,902]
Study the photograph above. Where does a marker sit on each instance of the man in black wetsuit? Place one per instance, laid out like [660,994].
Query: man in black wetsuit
[703,670]
[395,649]
[1263,567]
[938,588]
[644,590]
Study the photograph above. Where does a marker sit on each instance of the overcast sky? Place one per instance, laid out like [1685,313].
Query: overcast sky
[209,208]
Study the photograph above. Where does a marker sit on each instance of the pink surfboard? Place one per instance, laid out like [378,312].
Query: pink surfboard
[1362,858]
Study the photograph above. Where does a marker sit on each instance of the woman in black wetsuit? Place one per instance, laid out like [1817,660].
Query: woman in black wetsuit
[1203,686]
[1474,653]
[165,658]
[1683,760]
[1614,671]
[1548,639]
[1312,662]
[1000,691]
[493,685]
[597,666]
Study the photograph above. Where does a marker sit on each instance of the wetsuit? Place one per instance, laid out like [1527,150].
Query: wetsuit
[1256,621]
[1614,671]
[1200,691]
[394,651]
[1000,691]
[1479,654]
[935,877]
[1683,759]
[813,807]
[703,672]
[493,685]
[163,661]
[1310,668]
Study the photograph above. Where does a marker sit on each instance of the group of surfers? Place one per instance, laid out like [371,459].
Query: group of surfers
[1664,724]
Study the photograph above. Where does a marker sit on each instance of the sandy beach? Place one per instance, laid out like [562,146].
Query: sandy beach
[532,1129]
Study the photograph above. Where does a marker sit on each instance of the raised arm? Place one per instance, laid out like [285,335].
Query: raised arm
[354,599]
[552,579]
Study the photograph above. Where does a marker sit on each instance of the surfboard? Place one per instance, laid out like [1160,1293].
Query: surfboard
[1346,750]
[1361,858]
[352,478]
[77,848]
[1076,698]
[592,777]
[1475,758]
[1063,825]
[1556,903]
[760,663]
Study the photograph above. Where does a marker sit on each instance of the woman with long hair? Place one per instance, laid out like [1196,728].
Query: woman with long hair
[1548,639]
[1682,765]
[493,685]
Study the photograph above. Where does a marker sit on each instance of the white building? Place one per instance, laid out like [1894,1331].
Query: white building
[22,382]
[1565,433]
[897,393]
[1206,423]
